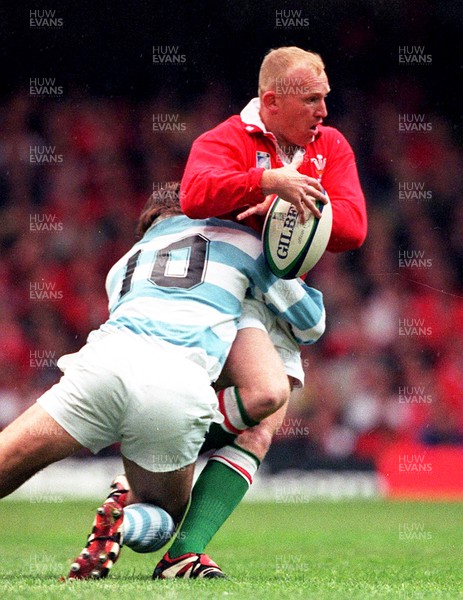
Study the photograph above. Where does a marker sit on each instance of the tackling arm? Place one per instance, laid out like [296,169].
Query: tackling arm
[296,303]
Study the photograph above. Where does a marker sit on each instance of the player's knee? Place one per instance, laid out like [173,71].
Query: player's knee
[269,400]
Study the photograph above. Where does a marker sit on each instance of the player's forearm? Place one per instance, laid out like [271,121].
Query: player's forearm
[269,182]
[299,305]
[305,337]
[310,317]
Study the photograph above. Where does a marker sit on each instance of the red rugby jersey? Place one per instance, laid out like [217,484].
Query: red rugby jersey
[225,166]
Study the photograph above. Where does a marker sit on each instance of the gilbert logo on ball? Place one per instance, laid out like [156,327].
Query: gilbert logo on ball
[293,248]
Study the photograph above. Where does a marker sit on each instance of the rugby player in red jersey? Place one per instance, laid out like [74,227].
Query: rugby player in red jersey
[278,145]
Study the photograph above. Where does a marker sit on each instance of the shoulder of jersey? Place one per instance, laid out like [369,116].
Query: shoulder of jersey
[232,122]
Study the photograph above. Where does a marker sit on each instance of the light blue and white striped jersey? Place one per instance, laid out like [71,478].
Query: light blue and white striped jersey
[183,284]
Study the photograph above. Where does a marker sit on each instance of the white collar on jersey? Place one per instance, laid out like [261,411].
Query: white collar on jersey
[250,115]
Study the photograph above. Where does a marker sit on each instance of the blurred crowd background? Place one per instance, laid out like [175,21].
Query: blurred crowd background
[390,366]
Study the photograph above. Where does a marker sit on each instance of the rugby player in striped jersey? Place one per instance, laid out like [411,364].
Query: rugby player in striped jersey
[144,377]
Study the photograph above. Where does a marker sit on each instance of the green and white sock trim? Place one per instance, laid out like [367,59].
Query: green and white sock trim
[239,460]
[235,416]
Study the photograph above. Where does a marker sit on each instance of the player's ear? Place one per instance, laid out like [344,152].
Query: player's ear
[269,101]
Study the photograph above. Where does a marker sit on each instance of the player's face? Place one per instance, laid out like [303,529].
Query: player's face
[301,107]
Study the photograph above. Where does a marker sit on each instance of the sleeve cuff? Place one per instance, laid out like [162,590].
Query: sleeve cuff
[254,194]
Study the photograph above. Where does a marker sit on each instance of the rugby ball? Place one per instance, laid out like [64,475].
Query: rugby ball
[147,527]
[290,247]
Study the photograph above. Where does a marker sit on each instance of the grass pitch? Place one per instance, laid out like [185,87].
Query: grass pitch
[315,550]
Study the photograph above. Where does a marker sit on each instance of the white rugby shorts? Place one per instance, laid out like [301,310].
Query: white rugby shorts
[256,314]
[122,388]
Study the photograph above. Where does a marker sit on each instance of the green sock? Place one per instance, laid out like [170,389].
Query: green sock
[216,437]
[217,492]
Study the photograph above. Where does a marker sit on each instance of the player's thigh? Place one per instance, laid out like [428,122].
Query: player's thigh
[91,398]
[169,490]
[31,442]
[253,360]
